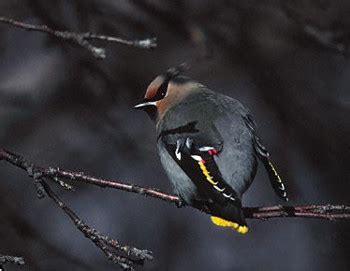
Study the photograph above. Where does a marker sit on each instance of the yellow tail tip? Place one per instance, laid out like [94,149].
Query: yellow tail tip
[225,223]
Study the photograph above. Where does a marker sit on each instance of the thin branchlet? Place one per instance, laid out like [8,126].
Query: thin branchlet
[82,39]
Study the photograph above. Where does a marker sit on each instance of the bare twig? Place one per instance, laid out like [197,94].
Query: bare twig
[336,40]
[329,212]
[328,38]
[82,39]
[123,255]
[130,255]
[10,259]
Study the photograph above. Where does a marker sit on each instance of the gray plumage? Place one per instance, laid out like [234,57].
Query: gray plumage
[219,122]
[208,146]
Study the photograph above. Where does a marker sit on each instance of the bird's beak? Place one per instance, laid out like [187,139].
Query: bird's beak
[144,104]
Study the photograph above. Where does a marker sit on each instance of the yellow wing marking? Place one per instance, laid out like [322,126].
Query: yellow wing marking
[275,172]
[217,220]
[225,223]
[206,173]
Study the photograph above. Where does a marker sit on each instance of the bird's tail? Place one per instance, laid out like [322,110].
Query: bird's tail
[264,155]
[218,221]
[275,179]
[230,216]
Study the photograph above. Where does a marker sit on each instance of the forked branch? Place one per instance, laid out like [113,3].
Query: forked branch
[123,255]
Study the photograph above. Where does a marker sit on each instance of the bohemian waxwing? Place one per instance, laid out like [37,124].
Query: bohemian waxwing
[208,146]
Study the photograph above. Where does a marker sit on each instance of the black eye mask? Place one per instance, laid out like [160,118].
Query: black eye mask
[162,90]
[171,74]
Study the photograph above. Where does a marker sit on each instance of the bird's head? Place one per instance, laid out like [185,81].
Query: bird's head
[165,91]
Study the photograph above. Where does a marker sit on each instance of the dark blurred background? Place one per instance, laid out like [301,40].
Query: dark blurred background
[285,60]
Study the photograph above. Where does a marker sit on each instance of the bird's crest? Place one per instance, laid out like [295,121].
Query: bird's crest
[176,71]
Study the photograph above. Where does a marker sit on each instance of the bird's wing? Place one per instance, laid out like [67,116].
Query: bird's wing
[264,156]
[197,161]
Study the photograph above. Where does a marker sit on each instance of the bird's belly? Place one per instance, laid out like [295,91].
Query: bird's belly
[182,184]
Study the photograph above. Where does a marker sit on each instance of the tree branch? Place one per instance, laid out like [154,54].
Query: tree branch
[130,255]
[123,255]
[329,212]
[127,256]
[82,39]
[10,259]
[337,40]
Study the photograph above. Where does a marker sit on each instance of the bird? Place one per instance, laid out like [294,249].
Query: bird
[208,146]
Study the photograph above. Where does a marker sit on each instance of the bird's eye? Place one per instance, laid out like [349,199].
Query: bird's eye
[162,90]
